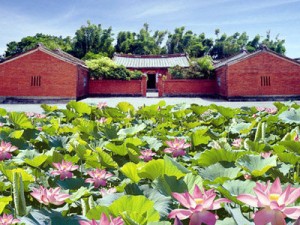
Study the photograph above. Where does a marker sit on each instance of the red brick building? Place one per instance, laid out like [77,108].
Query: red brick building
[152,65]
[40,74]
[263,73]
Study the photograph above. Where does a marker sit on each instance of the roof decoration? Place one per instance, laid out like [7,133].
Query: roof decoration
[151,61]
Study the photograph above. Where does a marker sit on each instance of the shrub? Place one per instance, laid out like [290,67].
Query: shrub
[199,69]
[105,68]
[136,75]
[176,72]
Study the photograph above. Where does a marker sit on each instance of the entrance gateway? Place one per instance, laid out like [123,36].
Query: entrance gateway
[151,81]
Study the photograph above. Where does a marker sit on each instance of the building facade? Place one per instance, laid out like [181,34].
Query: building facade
[43,74]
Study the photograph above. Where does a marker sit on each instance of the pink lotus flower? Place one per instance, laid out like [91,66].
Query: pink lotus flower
[101,105]
[271,110]
[198,206]
[237,142]
[109,191]
[99,177]
[266,154]
[260,109]
[64,169]
[5,149]
[247,176]
[104,221]
[102,120]
[176,147]
[296,138]
[51,196]
[8,220]
[274,202]
[147,155]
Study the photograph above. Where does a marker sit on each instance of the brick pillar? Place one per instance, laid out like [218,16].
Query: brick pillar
[144,86]
[160,86]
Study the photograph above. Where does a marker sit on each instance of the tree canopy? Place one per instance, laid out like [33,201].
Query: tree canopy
[93,40]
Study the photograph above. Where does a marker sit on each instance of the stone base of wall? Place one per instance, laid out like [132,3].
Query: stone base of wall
[34,100]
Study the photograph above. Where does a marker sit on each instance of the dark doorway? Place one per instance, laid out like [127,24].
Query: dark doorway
[151,82]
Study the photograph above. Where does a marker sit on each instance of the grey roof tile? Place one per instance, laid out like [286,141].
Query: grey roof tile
[151,61]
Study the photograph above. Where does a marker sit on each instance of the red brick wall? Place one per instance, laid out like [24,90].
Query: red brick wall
[83,82]
[117,87]
[181,87]
[245,78]
[58,78]
[221,84]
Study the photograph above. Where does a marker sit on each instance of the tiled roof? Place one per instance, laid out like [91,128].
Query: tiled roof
[151,61]
[244,55]
[230,59]
[69,57]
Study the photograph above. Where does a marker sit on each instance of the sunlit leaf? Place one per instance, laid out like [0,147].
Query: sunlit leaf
[256,165]
[138,208]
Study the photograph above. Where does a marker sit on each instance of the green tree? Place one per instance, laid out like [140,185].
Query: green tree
[188,42]
[142,43]
[92,38]
[29,42]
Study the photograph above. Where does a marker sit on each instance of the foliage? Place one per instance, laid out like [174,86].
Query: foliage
[201,68]
[139,191]
[91,41]
[104,68]
[92,38]
[142,43]
[188,42]
[29,42]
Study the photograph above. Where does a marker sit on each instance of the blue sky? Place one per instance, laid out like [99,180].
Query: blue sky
[20,18]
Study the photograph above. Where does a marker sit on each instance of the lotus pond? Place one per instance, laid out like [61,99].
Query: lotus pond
[157,165]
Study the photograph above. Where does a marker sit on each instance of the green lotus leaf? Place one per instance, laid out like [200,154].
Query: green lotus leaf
[152,169]
[16,134]
[256,165]
[226,221]
[125,107]
[138,208]
[191,180]
[226,111]
[95,213]
[26,176]
[290,116]
[153,142]
[237,187]
[3,112]
[105,159]
[219,173]
[37,161]
[49,108]
[199,137]
[79,107]
[287,157]
[210,157]
[20,120]
[291,146]
[166,185]
[81,192]
[240,128]
[174,168]
[131,130]
[4,201]
[117,149]
[130,170]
